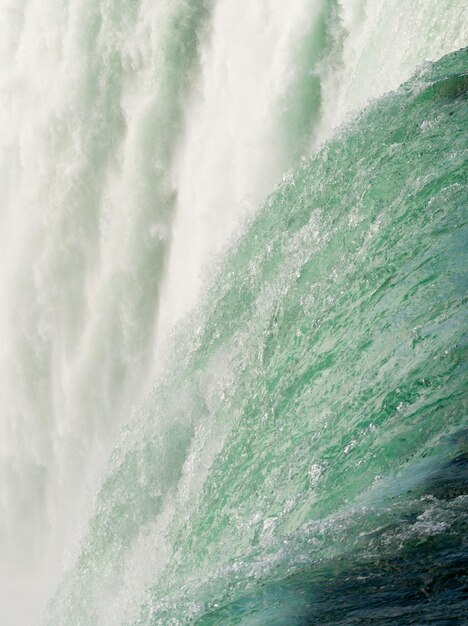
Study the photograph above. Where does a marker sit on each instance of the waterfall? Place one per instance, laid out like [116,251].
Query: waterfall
[144,144]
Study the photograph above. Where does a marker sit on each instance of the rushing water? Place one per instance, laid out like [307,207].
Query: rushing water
[301,454]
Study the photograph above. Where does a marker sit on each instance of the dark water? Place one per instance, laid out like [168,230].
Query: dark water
[425,583]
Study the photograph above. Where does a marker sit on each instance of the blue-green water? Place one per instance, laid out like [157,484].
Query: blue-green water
[303,457]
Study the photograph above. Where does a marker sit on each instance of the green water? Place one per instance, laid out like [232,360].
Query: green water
[305,431]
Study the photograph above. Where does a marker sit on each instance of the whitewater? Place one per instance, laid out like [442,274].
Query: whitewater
[233,252]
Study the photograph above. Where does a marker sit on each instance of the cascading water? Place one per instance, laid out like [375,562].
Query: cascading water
[303,425]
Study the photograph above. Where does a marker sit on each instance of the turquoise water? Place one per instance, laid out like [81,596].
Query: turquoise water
[302,459]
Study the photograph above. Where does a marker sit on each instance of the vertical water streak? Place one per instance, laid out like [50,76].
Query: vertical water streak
[92,97]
